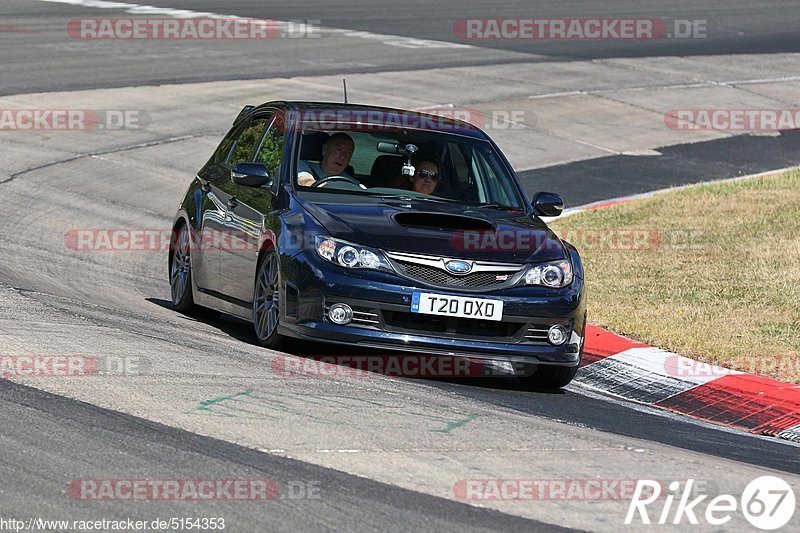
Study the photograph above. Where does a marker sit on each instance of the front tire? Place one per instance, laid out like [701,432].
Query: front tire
[553,377]
[266,302]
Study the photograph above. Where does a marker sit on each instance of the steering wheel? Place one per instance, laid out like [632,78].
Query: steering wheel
[340,178]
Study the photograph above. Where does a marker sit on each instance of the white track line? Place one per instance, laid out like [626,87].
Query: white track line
[586,207]
[143,9]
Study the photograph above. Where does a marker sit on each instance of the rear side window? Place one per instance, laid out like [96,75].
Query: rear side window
[270,152]
[245,147]
[364,154]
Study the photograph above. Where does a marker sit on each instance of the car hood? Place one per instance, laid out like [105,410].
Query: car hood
[439,229]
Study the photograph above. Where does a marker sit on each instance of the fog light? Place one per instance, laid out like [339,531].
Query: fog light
[340,314]
[557,335]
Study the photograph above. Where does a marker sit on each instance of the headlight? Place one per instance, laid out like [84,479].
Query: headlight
[349,255]
[555,275]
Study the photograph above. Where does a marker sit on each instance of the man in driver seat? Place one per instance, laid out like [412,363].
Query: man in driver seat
[336,154]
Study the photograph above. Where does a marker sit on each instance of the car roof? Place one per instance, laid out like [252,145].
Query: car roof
[350,114]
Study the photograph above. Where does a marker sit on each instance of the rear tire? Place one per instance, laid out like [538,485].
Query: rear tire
[180,273]
[266,302]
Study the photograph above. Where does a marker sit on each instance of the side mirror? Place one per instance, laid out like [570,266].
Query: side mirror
[250,175]
[547,204]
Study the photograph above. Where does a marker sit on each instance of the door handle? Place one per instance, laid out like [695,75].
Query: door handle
[233,202]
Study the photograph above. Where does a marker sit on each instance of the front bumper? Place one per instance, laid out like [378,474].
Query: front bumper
[383,320]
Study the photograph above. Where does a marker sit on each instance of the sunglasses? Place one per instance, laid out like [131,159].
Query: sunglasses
[434,176]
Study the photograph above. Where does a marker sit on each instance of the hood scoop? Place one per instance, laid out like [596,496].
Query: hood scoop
[441,221]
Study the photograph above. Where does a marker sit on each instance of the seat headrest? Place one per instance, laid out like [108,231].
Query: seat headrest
[311,146]
[387,166]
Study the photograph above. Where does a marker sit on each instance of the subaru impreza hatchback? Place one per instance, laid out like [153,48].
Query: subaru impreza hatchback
[379,228]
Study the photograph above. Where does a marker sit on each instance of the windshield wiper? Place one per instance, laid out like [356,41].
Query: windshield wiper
[410,197]
[437,199]
[499,207]
[385,196]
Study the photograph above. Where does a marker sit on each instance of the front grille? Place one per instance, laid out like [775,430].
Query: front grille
[400,320]
[365,318]
[437,276]
[292,301]
[362,316]
[415,322]
[537,333]
[486,328]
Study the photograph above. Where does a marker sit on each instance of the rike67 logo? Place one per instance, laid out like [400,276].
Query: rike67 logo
[767,503]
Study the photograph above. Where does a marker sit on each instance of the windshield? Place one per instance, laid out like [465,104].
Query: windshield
[435,166]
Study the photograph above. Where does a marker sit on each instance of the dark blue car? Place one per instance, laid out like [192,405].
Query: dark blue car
[379,228]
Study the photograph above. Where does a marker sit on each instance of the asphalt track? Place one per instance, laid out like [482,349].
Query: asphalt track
[732,27]
[39,56]
[95,438]
[593,180]
[147,426]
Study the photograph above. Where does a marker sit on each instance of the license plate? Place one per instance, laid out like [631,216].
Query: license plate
[460,306]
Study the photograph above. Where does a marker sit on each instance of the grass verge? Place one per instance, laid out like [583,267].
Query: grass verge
[710,271]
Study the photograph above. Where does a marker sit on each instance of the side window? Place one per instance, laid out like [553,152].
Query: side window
[246,143]
[459,164]
[499,190]
[480,184]
[271,150]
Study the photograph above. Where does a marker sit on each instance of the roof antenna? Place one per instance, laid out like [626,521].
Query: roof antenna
[344,84]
